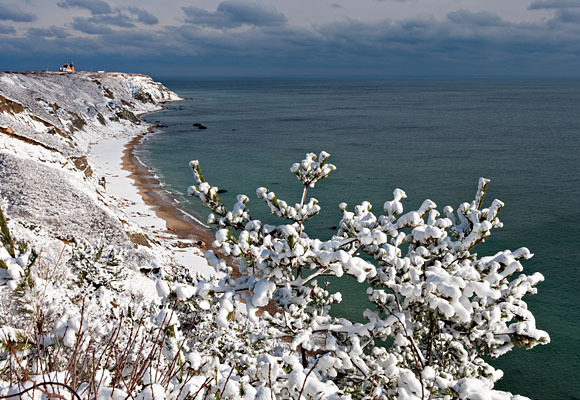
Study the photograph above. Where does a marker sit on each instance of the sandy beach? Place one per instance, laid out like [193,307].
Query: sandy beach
[138,193]
[177,221]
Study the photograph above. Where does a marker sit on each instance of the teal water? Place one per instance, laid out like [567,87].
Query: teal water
[432,138]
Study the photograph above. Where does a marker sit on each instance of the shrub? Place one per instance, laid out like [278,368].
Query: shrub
[441,308]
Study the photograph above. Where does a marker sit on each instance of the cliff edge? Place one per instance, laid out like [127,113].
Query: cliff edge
[48,187]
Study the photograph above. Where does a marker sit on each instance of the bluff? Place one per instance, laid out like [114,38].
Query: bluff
[47,123]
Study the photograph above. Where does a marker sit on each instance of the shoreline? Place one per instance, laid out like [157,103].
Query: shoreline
[177,221]
[186,234]
[139,198]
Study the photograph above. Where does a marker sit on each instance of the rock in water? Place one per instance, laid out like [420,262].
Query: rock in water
[199,126]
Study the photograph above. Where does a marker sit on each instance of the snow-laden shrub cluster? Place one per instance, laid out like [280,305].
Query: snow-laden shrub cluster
[440,310]
[98,266]
[15,257]
[84,336]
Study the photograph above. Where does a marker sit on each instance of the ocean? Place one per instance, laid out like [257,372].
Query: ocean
[432,138]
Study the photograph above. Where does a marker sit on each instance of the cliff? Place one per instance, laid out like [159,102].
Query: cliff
[48,187]
[81,254]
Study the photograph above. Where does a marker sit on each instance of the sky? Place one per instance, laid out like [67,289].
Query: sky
[295,37]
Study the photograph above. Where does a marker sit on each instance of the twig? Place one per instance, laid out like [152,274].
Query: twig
[372,387]
[270,381]
[227,380]
[169,373]
[305,379]
[37,385]
[185,382]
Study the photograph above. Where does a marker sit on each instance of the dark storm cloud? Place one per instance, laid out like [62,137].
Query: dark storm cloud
[569,16]
[96,7]
[549,4]
[119,20]
[335,5]
[11,12]
[102,13]
[464,17]
[143,16]
[425,46]
[89,27]
[7,30]
[462,43]
[53,31]
[102,44]
[230,14]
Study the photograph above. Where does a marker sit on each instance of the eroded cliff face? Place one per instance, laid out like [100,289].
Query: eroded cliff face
[69,111]
[47,123]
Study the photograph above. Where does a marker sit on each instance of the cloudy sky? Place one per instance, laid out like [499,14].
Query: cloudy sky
[295,37]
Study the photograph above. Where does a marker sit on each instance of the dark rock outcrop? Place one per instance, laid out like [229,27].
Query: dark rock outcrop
[199,126]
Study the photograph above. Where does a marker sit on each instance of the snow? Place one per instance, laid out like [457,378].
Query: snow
[262,292]
[59,134]
[106,157]
[47,189]
[154,391]
[110,274]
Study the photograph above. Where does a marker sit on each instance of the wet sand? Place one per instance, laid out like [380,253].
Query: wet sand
[165,207]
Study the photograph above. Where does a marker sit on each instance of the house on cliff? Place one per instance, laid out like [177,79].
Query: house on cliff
[67,68]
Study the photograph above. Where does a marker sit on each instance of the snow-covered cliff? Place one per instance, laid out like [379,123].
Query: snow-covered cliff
[81,253]
[47,184]
[66,112]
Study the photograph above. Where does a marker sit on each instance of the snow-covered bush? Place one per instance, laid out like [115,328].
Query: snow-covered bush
[16,258]
[439,311]
[87,339]
[98,266]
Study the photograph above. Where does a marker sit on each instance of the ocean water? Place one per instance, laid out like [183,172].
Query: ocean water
[432,138]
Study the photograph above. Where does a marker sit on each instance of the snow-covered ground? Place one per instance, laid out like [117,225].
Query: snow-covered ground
[106,158]
[60,135]
[102,249]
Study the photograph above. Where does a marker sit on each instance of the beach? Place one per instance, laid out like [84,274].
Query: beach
[139,195]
